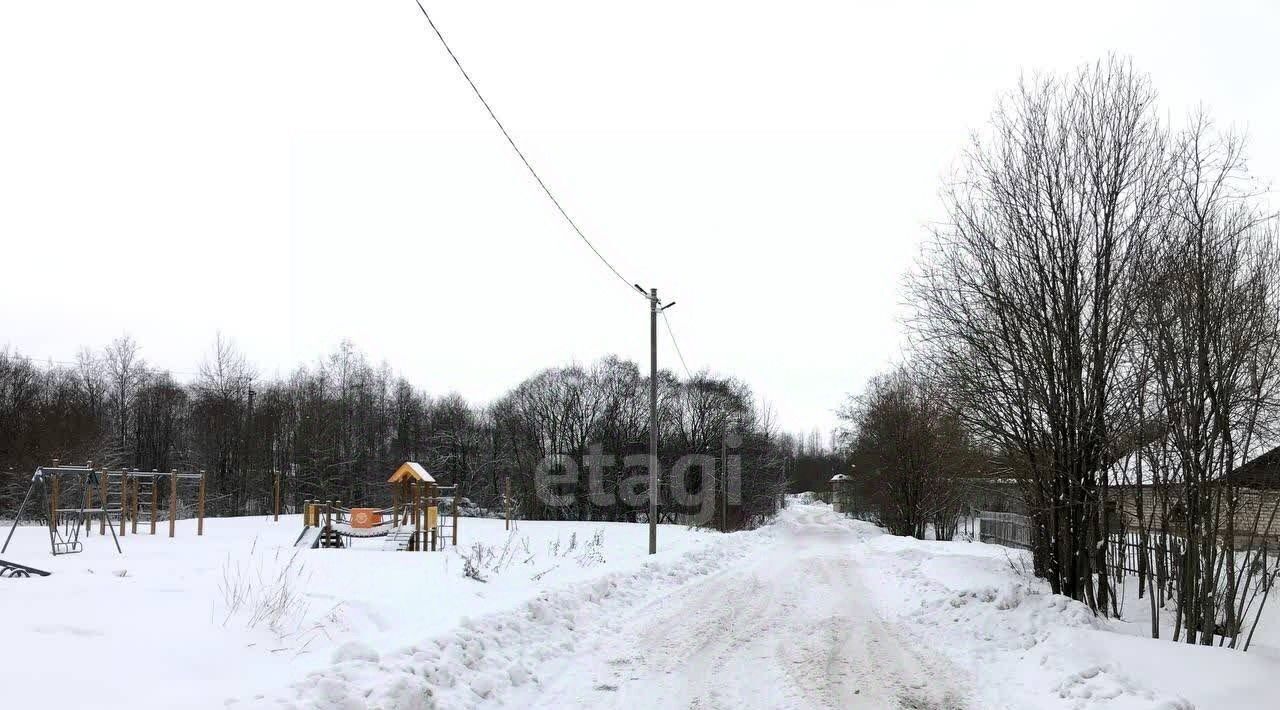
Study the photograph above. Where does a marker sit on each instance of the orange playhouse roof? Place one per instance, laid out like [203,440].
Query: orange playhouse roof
[411,471]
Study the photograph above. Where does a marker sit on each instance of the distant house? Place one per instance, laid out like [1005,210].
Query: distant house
[1256,496]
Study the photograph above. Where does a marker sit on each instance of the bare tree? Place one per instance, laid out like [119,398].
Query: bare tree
[125,370]
[1211,335]
[912,450]
[1022,299]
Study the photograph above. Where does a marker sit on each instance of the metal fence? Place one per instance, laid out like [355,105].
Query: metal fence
[1158,555]
[1008,529]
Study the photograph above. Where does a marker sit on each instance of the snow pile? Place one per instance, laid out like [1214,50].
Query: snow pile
[1024,646]
[485,658]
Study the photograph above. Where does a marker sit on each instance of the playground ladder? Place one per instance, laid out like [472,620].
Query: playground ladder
[121,505]
[330,539]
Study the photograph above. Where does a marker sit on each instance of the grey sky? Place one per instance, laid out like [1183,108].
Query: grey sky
[294,173]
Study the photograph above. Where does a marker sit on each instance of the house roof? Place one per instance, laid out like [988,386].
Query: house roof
[1261,472]
[411,471]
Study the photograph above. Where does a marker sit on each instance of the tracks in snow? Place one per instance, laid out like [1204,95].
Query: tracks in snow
[787,627]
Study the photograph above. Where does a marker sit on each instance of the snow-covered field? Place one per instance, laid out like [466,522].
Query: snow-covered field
[814,610]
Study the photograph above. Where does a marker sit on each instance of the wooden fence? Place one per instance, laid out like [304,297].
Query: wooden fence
[1137,554]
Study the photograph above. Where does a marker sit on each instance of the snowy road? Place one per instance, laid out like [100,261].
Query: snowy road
[813,610]
[790,627]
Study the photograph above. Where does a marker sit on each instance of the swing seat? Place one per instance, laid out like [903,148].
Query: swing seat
[67,548]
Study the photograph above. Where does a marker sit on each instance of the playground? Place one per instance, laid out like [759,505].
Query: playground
[241,611]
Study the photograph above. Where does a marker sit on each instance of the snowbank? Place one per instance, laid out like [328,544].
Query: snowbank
[483,659]
[1028,648]
[240,613]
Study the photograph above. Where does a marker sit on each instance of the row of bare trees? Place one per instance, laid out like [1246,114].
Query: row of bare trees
[338,427]
[1101,311]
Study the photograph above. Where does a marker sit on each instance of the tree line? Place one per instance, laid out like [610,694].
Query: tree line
[338,427]
[1098,319]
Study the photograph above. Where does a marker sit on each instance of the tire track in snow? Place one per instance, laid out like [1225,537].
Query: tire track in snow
[773,618]
[789,627]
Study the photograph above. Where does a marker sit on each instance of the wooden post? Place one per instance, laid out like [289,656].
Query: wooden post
[154,504]
[200,506]
[277,511]
[417,516]
[173,500]
[133,508]
[432,528]
[88,503]
[454,535]
[124,501]
[328,522]
[102,529]
[506,503]
[129,485]
[53,501]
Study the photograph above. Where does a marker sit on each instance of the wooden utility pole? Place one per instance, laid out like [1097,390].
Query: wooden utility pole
[155,504]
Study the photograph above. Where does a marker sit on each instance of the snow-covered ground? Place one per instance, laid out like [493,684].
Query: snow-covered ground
[814,610]
[158,627]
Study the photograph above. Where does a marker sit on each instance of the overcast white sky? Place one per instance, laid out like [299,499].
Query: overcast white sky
[294,173]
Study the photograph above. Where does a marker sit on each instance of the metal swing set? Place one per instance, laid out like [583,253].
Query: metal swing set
[58,485]
[72,498]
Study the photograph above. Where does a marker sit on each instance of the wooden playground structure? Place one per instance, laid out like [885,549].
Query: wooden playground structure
[76,499]
[411,524]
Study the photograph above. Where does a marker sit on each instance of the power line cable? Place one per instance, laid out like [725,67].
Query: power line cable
[516,148]
[679,354]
